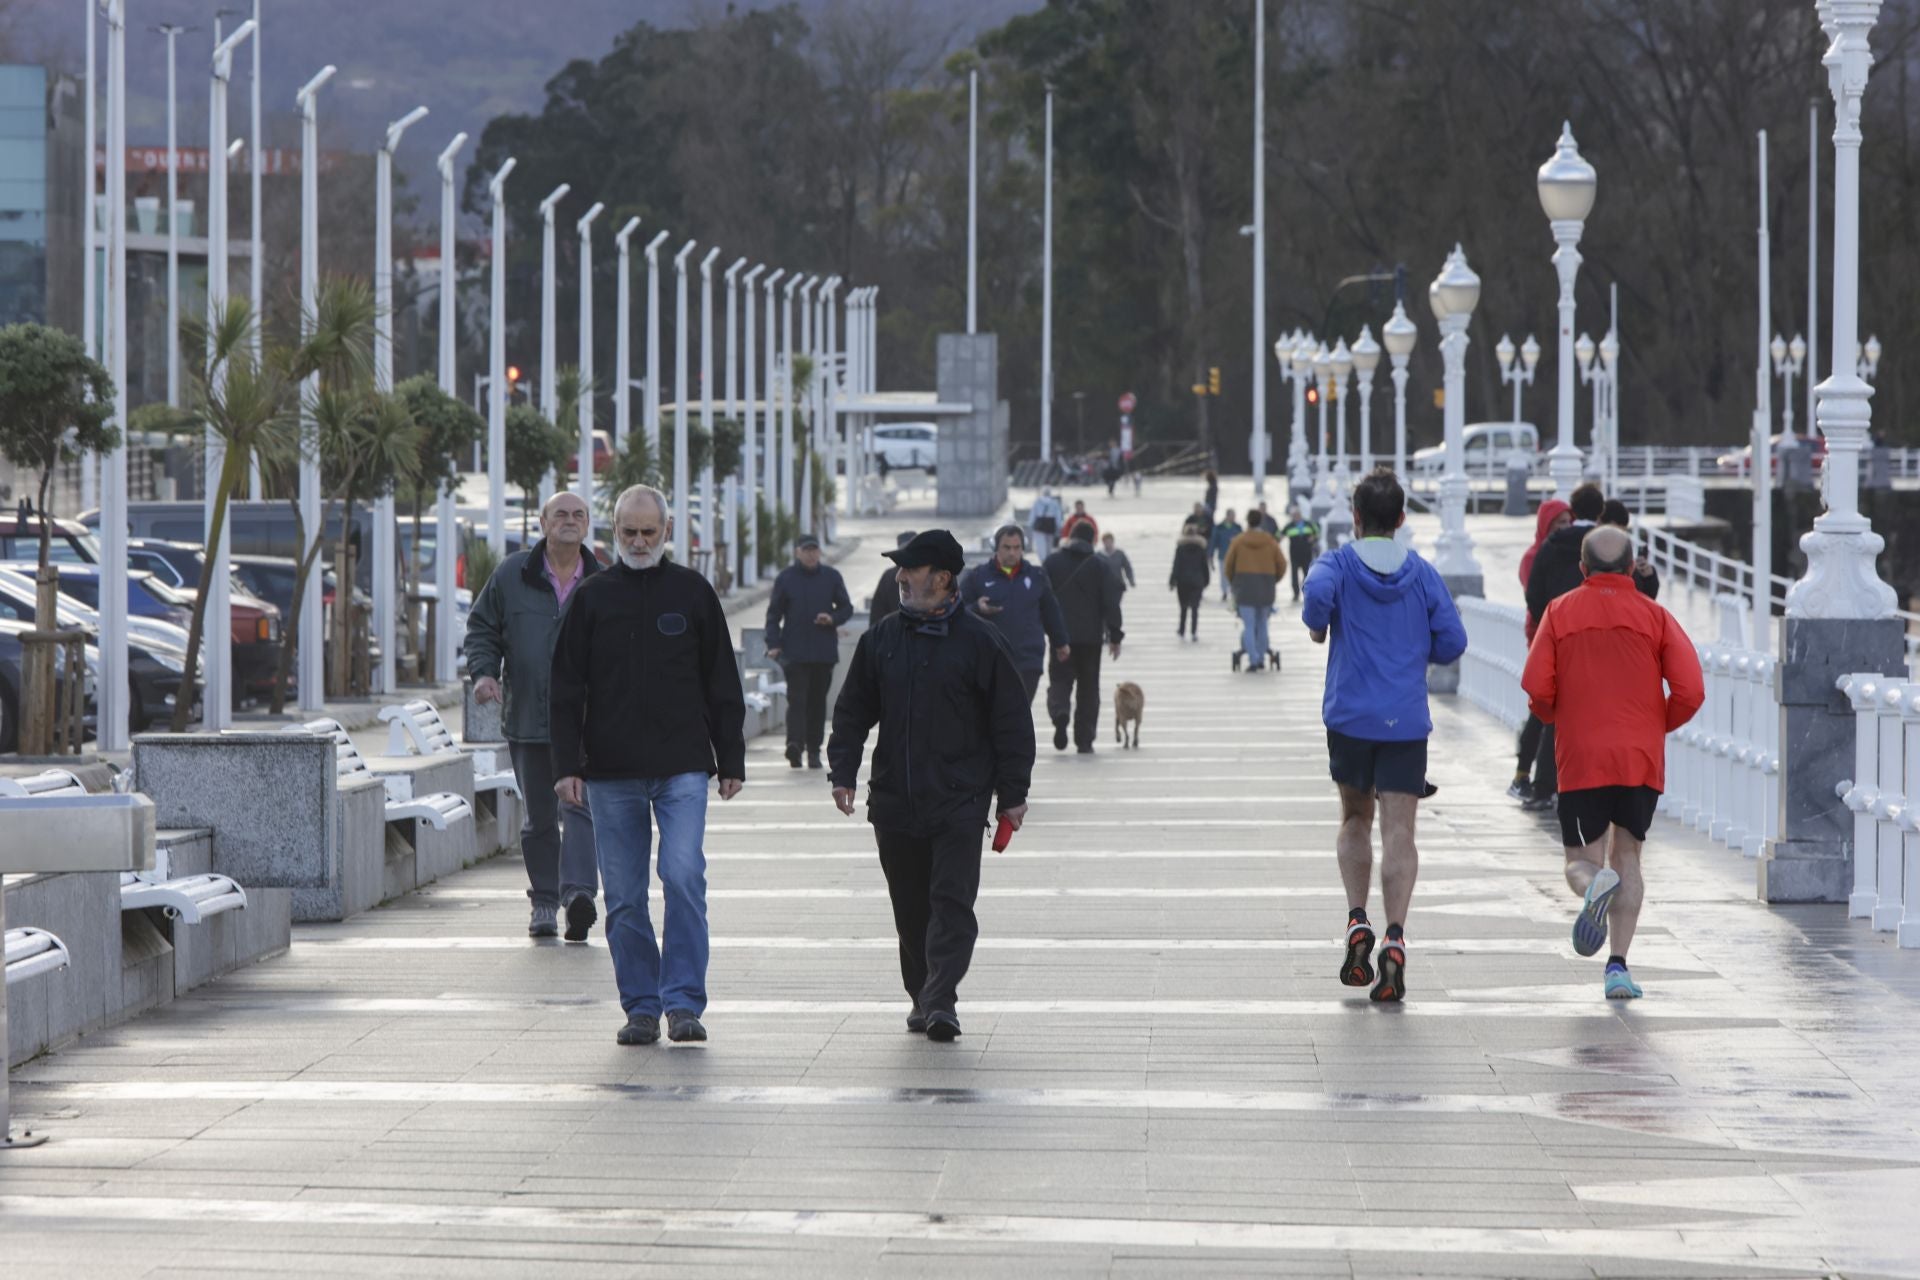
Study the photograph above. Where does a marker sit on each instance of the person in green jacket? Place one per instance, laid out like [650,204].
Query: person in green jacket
[1217,543]
[1302,536]
[510,635]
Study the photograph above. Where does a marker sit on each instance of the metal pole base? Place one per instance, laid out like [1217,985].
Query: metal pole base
[22,1140]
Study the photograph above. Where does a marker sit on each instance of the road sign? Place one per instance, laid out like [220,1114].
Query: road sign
[1126,402]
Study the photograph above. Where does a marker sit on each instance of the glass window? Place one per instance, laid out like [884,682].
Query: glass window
[84,589]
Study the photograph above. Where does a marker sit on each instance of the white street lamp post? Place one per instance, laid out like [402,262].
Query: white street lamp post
[832,441]
[1788,358]
[113,731]
[583,481]
[385,553]
[1867,359]
[749,431]
[623,337]
[1400,334]
[707,503]
[1566,186]
[1258,445]
[1595,376]
[172,31]
[90,226]
[1610,385]
[255,482]
[810,429]
[497,367]
[549,322]
[682,403]
[1366,358]
[446,646]
[786,398]
[651,407]
[776,493]
[216,631]
[1322,365]
[736,515]
[1340,363]
[310,645]
[1519,366]
[1046,318]
[973,200]
[1453,295]
[1299,453]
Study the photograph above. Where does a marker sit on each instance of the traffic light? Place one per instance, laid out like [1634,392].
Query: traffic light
[1313,395]
[1199,388]
[1213,380]
[1439,397]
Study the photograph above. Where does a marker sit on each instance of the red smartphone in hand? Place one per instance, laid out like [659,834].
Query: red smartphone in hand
[1003,834]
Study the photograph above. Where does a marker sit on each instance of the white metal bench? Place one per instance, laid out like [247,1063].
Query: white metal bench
[436,810]
[50,782]
[417,728]
[33,951]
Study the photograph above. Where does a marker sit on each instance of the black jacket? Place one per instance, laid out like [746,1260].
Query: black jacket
[645,684]
[1089,592]
[956,730]
[799,596]
[1190,563]
[1556,568]
[886,597]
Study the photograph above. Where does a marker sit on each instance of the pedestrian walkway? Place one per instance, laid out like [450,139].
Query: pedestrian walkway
[1160,1073]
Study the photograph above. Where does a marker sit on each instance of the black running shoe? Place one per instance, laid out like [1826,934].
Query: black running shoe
[640,1029]
[793,757]
[1357,971]
[916,1021]
[581,914]
[1392,984]
[1059,737]
[683,1025]
[942,1026]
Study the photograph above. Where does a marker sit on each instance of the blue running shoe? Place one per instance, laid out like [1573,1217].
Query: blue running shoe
[1620,984]
[1590,926]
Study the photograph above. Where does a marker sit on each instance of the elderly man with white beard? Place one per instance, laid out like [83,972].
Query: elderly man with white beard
[647,705]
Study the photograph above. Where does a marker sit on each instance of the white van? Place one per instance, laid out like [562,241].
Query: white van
[895,446]
[1487,446]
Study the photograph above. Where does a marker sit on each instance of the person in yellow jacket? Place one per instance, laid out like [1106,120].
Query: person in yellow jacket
[1254,565]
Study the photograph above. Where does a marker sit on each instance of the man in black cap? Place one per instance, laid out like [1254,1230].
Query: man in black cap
[1089,593]
[808,605]
[886,596]
[956,738]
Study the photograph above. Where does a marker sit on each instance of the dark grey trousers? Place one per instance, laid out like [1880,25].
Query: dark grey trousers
[560,864]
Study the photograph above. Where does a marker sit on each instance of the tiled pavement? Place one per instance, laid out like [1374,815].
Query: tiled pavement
[1160,1073]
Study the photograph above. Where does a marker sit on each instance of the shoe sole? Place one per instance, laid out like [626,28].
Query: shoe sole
[580,921]
[621,1037]
[1622,993]
[1392,985]
[942,1032]
[684,1035]
[1590,926]
[1358,969]
[544,931]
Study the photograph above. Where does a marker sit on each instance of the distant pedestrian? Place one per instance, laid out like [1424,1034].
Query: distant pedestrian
[956,740]
[1217,543]
[1303,537]
[1646,578]
[1045,520]
[1267,521]
[1553,516]
[1616,673]
[1190,576]
[1556,571]
[1089,594]
[1388,616]
[1254,565]
[1078,518]
[1212,500]
[886,595]
[1017,598]
[1116,465]
[1117,560]
[510,637]
[1201,519]
[647,706]
[808,607]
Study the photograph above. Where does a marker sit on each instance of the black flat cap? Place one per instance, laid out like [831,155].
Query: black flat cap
[936,547]
[807,540]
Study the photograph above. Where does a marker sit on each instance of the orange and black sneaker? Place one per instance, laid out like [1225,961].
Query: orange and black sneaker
[1392,983]
[1357,969]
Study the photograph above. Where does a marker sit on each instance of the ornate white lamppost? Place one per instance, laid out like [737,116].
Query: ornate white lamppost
[1322,366]
[1519,366]
[497,365]
[1300,347]
[1566,185]
[1366,358]
[1400,334]
[1340,363]
[1453,295]
[1788,359]
[1867,359]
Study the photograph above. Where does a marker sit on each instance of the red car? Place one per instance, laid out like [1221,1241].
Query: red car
[602,455]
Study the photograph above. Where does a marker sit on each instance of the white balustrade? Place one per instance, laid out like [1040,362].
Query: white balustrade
[1496,656]
[1861,792]
[1882,797]
[1907,926]
[1723,766]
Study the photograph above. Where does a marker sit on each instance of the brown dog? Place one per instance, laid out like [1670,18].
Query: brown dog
[1128,705]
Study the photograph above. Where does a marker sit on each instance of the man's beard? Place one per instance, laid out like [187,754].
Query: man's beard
[645,558]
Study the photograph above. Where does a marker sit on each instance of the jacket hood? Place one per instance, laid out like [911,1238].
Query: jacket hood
[1259,532]
[1077,547]
[1549,511]
[1383,585]
[1191,540]
[1571,536]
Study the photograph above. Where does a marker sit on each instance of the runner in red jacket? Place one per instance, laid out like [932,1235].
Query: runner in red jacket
[1616,670]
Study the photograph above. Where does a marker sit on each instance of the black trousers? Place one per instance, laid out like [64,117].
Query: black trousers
[1031,679]
[1189,606]
[1529,745]
[1073,687]
[1546,769]
[1297,572]
[933,881]
[807,704]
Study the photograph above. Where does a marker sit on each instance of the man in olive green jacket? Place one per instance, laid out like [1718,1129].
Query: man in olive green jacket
[510,635]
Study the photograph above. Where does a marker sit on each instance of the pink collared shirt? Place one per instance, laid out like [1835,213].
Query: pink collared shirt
[562,590]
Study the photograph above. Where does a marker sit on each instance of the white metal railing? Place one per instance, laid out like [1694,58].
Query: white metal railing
[1723,767]
[1496,655]
[1884,797]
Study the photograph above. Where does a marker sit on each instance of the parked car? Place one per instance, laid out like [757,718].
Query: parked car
[12,654]
[901,445]
[254,625]
[602,454]
[1487,446]
[17,586]
[73,542]
[1740,461]
[146,597]
[156,650]
[272,578]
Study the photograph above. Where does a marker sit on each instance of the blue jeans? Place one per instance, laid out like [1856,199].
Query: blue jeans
[1253,631]
[623,813]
